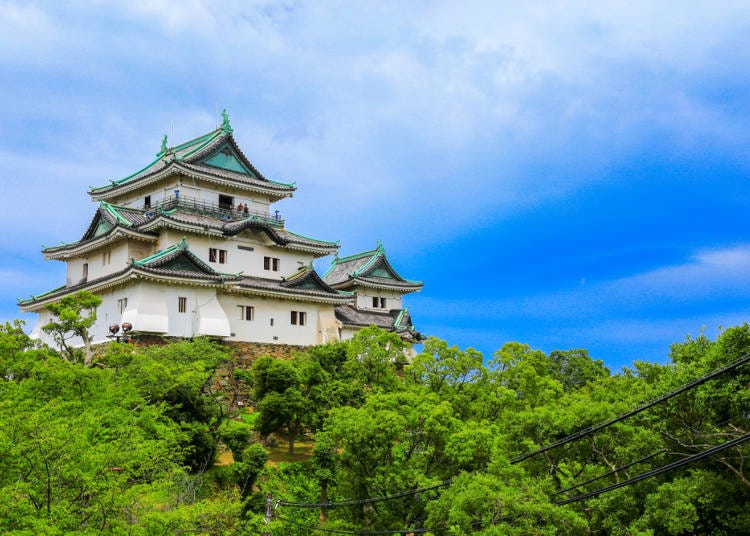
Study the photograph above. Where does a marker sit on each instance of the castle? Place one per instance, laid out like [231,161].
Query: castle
[191,245]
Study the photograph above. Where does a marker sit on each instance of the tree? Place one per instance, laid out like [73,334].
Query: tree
[75,315]
[324,462]
[574,368]
[373,355]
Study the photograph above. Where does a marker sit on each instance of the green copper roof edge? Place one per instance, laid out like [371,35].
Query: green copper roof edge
[410,281]
[198,139]
[182,244]
[400,316]
[113,210]
[201,141]
[124,179]
[356,256]
[288,184]
[301,272]
[338,260]
[334,243]
[62,245]
[160,155]
[377,253]
[42,295]
[330,268]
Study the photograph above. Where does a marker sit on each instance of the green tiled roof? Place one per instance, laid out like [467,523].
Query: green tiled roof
[214,153]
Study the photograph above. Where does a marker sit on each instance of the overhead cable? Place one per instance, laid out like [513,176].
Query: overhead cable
[591,429]
[573,437]
[370,500]
[660,470]
[360,532]
[613,471]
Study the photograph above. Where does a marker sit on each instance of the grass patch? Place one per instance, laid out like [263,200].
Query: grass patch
[280,453]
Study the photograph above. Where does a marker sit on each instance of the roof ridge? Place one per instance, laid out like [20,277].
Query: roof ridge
[112,209]
[201,141]
[182,244]
[334,243]
[378,252]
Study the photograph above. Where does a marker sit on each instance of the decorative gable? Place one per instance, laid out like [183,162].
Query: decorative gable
[381,270]
[101,227]
[307,279]
[226,157]
[177,258]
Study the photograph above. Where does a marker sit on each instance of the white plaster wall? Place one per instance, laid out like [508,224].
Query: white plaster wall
[106,314]
[74,272]
[147,307]
[239,260]
[364,299]
[196,189]
[348,333]
[139,250]
[118,258]
[281,330]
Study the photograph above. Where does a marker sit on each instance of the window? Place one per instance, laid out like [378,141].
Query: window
[299,318]
[85,271]
[246,248]
[247,312]
[147,202]
[106,258]
[378,302]
[271,263]
[217,255]
[122,304]
[182,304]
[226,202]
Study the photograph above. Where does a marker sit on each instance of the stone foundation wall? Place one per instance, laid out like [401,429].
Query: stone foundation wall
[247,352]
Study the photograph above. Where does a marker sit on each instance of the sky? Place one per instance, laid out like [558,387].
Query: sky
[562,174]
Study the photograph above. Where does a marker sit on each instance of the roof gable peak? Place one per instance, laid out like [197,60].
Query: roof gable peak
[176,257]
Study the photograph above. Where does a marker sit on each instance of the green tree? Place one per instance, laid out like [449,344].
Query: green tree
[74,314]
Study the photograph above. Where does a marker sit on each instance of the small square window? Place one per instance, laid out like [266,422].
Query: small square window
[299,318]
[382,303]
[247,312]
[147,202]
[122,304]
[271,263]
[226,202]
[217,255]
[182,304]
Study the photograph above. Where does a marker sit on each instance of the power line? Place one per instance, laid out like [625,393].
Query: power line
[660,470]
[369,500]
[360,532]
[613,471]
[595,428]
[573,437]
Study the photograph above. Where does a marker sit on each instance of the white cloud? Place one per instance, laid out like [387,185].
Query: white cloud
[709,277]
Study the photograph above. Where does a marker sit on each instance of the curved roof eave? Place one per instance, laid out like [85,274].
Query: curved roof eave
[274,190]
[77,248]
[289,296]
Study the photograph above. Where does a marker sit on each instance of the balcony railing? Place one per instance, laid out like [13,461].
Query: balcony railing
[199,206]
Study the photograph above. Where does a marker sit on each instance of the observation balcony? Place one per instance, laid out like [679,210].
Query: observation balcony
[224,212]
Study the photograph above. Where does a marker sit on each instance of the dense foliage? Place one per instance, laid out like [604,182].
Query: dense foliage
[129,444]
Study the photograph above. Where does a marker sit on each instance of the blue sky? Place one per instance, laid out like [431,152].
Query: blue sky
[564,174]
